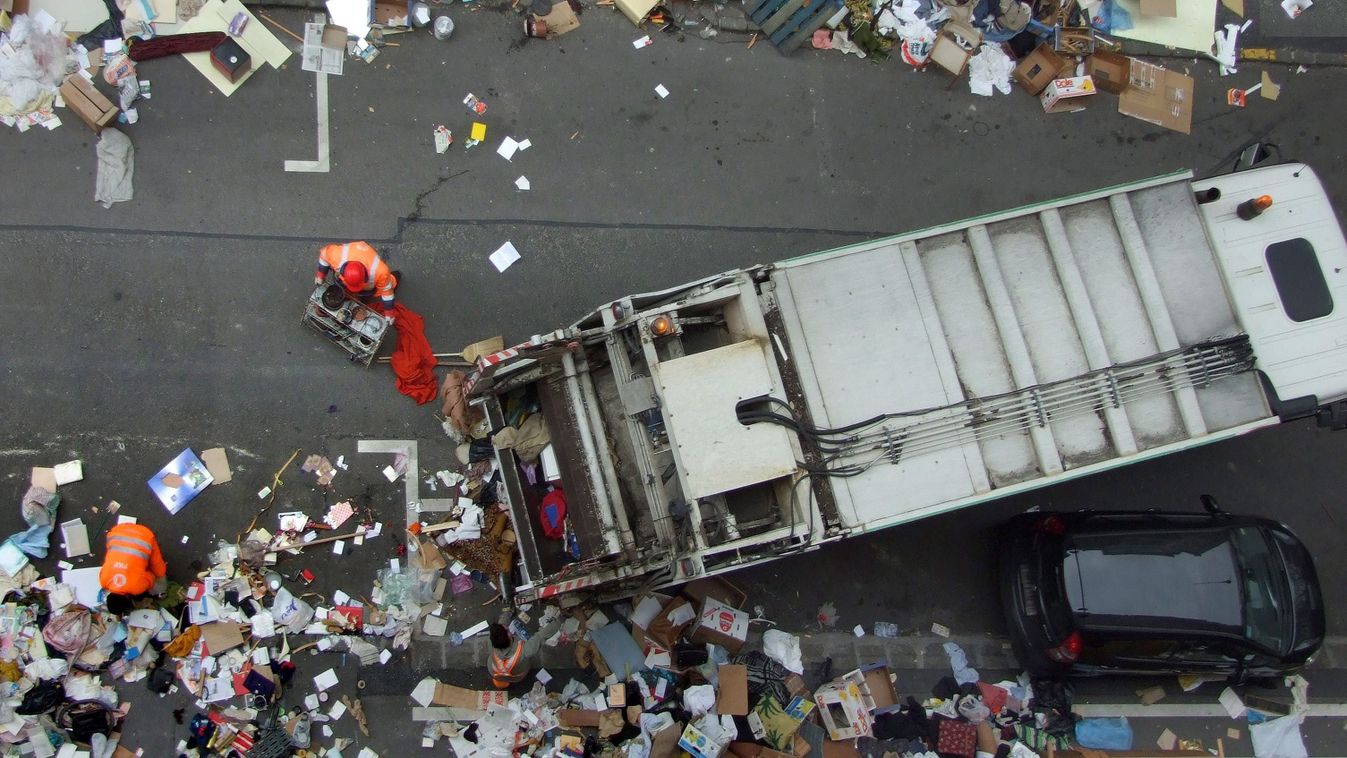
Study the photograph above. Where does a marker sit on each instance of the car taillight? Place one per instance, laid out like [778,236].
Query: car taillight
[1054,525]
[1069,650]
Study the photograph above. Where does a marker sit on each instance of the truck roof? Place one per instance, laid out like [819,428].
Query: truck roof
[1012,350]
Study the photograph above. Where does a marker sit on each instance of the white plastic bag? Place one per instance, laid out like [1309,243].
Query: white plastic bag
[1278,738]
[784,648]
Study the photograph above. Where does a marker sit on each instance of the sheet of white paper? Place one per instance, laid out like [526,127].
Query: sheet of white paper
[522,183]
[1294,8]
[504,256]
[1233,705]
[661,90]
[507,148]
[339,547]
[385,656]
[544,677]
[645,612]
[219,688]
[326,680]
[524,145]
[642,42]
[86,585]
[337,711]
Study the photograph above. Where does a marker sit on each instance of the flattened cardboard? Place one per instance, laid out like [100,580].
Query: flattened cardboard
[461,697]
[561,20]
[217,463]
[574,718]
[1037,69]
[220,636]
[43,476]
[1164,8]
[1158,96]
[664,743]
[732,690]
[1110,71]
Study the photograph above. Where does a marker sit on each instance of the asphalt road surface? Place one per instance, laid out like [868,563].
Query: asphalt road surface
[173,320]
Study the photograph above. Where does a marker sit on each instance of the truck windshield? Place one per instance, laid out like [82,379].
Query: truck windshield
[1263,582]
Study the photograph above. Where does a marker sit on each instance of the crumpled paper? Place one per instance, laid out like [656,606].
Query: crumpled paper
[990,68]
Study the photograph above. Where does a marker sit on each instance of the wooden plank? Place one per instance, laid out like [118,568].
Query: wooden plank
[780,16]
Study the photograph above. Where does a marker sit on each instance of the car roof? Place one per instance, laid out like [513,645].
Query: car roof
[1142,578]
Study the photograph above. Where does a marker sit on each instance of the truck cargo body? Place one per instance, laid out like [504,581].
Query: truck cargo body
[767,411]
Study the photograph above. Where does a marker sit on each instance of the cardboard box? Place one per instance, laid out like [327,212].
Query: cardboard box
[732,690]
[698,745]
[87,103]
[324,48]
[776,724]
[1037,69]
[1067,95]
[1165,8]
[1110,71]
[698,590]
[394,14]
[719,624]
[636,10]
[843,709]
[1158,96]
[877,687]
[672,619]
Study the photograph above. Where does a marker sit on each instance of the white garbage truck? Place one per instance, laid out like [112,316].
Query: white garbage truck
[766,411]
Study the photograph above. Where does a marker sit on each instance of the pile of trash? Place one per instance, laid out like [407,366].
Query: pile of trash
[228,636]
[684,673]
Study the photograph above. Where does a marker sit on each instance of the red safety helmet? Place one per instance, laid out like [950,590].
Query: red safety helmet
[353,275]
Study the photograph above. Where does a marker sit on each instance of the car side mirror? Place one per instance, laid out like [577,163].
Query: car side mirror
[1209,503]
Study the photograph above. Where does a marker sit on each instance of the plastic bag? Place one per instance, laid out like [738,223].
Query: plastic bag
[68,631]
[290,611]
[39,506]
[783,648]
[700,699]
[1104,733]
[1278,738]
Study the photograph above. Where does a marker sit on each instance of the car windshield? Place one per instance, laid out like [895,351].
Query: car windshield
[1264,616]
[1178,579]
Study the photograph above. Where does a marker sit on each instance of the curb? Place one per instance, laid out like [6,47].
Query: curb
[920,652]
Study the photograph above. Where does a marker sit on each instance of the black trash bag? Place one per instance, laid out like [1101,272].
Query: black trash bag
[110,29]
[46,695]
[1053,698]
[160,680]
[82,719]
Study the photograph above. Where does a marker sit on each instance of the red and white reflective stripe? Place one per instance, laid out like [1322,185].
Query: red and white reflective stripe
[484,361]
[569,585]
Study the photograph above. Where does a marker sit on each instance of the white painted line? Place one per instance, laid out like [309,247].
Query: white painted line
[410,479]
[1187,710]
[324,162]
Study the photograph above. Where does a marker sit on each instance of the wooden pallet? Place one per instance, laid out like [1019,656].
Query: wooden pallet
[789,23]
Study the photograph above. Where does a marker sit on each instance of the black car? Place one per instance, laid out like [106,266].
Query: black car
[1212,593]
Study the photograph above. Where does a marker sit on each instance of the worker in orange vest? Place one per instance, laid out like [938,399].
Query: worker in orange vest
[360,270]
[133,564]
[509,659]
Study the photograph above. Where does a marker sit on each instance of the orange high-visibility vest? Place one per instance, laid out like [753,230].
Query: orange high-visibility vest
[379,278]
[503,672]
[133,561]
